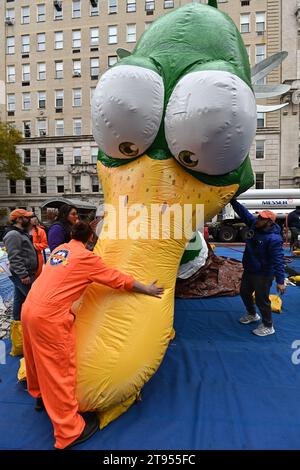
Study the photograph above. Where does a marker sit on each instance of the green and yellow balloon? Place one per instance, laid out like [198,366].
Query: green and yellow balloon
[174,121]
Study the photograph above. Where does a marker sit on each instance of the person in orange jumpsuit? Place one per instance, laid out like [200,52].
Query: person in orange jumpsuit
[40,242]
[49,333]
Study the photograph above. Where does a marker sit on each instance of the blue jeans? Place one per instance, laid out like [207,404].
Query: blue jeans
[20,294]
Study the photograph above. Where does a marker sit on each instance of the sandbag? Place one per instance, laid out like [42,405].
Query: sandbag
[22,371]
[276,303]
[16,338]
[295,279]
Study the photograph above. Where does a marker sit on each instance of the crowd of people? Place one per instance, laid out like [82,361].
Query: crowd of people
[44,294]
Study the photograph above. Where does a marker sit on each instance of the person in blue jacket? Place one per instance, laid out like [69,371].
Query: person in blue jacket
[262,260]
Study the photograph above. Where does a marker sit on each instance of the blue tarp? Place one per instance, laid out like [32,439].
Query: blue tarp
[219,387]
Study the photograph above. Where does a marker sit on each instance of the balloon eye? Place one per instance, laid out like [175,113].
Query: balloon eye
[128,149]
[185,158]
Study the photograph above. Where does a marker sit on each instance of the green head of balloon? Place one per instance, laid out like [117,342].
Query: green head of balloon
[182,99]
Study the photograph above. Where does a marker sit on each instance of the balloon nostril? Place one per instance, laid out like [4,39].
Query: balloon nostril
[128,149]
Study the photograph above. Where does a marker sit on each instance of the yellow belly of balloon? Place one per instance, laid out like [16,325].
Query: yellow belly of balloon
[122,336]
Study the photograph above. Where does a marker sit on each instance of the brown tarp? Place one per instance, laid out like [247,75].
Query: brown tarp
[219,276]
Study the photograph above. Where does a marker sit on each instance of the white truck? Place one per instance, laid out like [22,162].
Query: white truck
[227,227]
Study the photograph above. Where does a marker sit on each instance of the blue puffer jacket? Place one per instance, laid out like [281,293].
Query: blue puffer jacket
[263,253]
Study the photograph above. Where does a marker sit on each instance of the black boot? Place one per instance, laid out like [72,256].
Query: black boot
[39,404]
[91,426]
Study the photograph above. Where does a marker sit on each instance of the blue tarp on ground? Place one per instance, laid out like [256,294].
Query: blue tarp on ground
[219,387]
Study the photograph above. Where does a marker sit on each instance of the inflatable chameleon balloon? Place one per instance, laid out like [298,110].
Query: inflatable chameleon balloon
[174,121]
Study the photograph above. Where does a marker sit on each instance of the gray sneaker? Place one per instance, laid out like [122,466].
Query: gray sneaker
[246,319]
[263,330]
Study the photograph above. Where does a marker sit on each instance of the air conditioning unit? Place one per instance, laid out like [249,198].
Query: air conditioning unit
[260,33]
[76,74]
[58,110]
[9,21]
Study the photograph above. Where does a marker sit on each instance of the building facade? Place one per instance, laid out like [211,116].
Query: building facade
[53,55]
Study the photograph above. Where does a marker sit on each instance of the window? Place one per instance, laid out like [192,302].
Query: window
[77,98]
[41,13]
[260,149]
[26,101]
[94,8]
[77,184]
[76,8]
[59,69]
[42,157]
[59,127]
[27,128]
[58,10]
[259,180]
[131,6]
[131,33]
[299,158]
[41,67]
[60,184]
[41,42]
[41,99]
[58,40]
[94,36]
[10,45]
[95,184]
[11,73]
[59,99]
[94,154]
[27,185]
[112,6]
[77,155]
[92,91]
[259,56]
[260,22]
[59,156]
[244,3]
[11,102]
[42,127]
[27,157]
[77,126]
[76,38]
[12,186]
[94,65]
[168,3]
[260,52]
[25,15]
[25,44]
[149,5]
[77,68]
[112,60]
[43,185]
[25,72]
[260,120]
[245,23]
[10,14]
[112,35]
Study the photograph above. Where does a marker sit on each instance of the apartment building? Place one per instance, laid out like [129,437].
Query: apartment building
[53,54]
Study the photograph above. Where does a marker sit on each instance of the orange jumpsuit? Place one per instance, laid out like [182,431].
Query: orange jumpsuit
[49,333]
[40,242]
